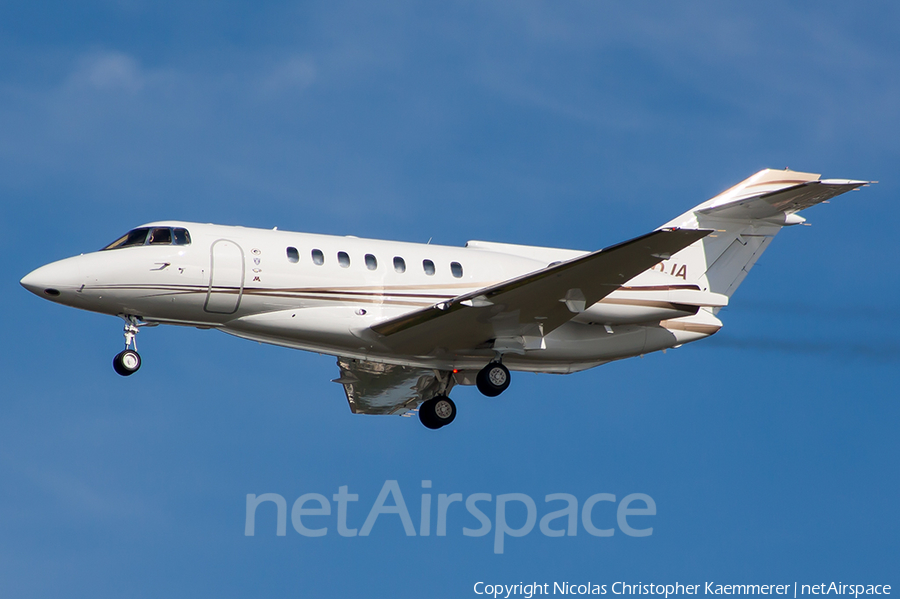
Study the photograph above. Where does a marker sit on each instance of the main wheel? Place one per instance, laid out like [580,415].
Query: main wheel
[437,412]
[127,362]
[426,416]
[493,379]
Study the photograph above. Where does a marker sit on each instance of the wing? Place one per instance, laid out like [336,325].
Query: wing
[376,388]
[520,311]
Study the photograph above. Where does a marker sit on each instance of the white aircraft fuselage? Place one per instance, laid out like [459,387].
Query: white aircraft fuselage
[242,281]
[408,321]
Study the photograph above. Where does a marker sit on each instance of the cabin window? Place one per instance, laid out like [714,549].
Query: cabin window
[344,259]
[428,265]
[399,264]
[371,262]
[182,237]
[456,269]
[293,255]
[318,257]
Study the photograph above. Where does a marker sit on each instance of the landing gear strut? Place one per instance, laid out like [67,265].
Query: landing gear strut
[493,379]
[128,361]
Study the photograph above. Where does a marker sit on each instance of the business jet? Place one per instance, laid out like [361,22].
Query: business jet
[407,322]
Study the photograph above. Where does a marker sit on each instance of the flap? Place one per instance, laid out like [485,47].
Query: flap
[377,388]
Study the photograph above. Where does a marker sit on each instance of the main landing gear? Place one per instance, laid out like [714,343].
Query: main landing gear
[492,380]
[128,361]
[437,412]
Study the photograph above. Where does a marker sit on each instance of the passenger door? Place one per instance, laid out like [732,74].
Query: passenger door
[226,277]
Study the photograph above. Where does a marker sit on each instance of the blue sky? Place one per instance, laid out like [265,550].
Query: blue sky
[770,450]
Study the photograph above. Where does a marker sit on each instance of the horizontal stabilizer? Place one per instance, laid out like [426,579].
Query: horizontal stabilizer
[770,194]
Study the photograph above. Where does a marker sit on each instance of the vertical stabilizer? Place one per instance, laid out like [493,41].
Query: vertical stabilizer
[745,219]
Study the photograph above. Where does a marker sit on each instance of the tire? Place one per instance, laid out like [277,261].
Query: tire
[444,409]
[437,412]
[427,417]
[493,379]
[127,362]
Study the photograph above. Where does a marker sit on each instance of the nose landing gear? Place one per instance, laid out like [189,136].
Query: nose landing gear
[128,361]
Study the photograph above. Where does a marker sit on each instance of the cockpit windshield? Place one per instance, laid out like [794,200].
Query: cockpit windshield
[151,236]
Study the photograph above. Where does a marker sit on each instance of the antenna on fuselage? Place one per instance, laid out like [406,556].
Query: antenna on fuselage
[429,240]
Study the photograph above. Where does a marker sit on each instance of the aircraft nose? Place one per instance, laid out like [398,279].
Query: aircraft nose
[54,279]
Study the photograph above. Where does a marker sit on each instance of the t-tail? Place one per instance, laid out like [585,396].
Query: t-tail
[745,219]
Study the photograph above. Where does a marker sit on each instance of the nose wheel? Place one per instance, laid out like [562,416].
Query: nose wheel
[128,361]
